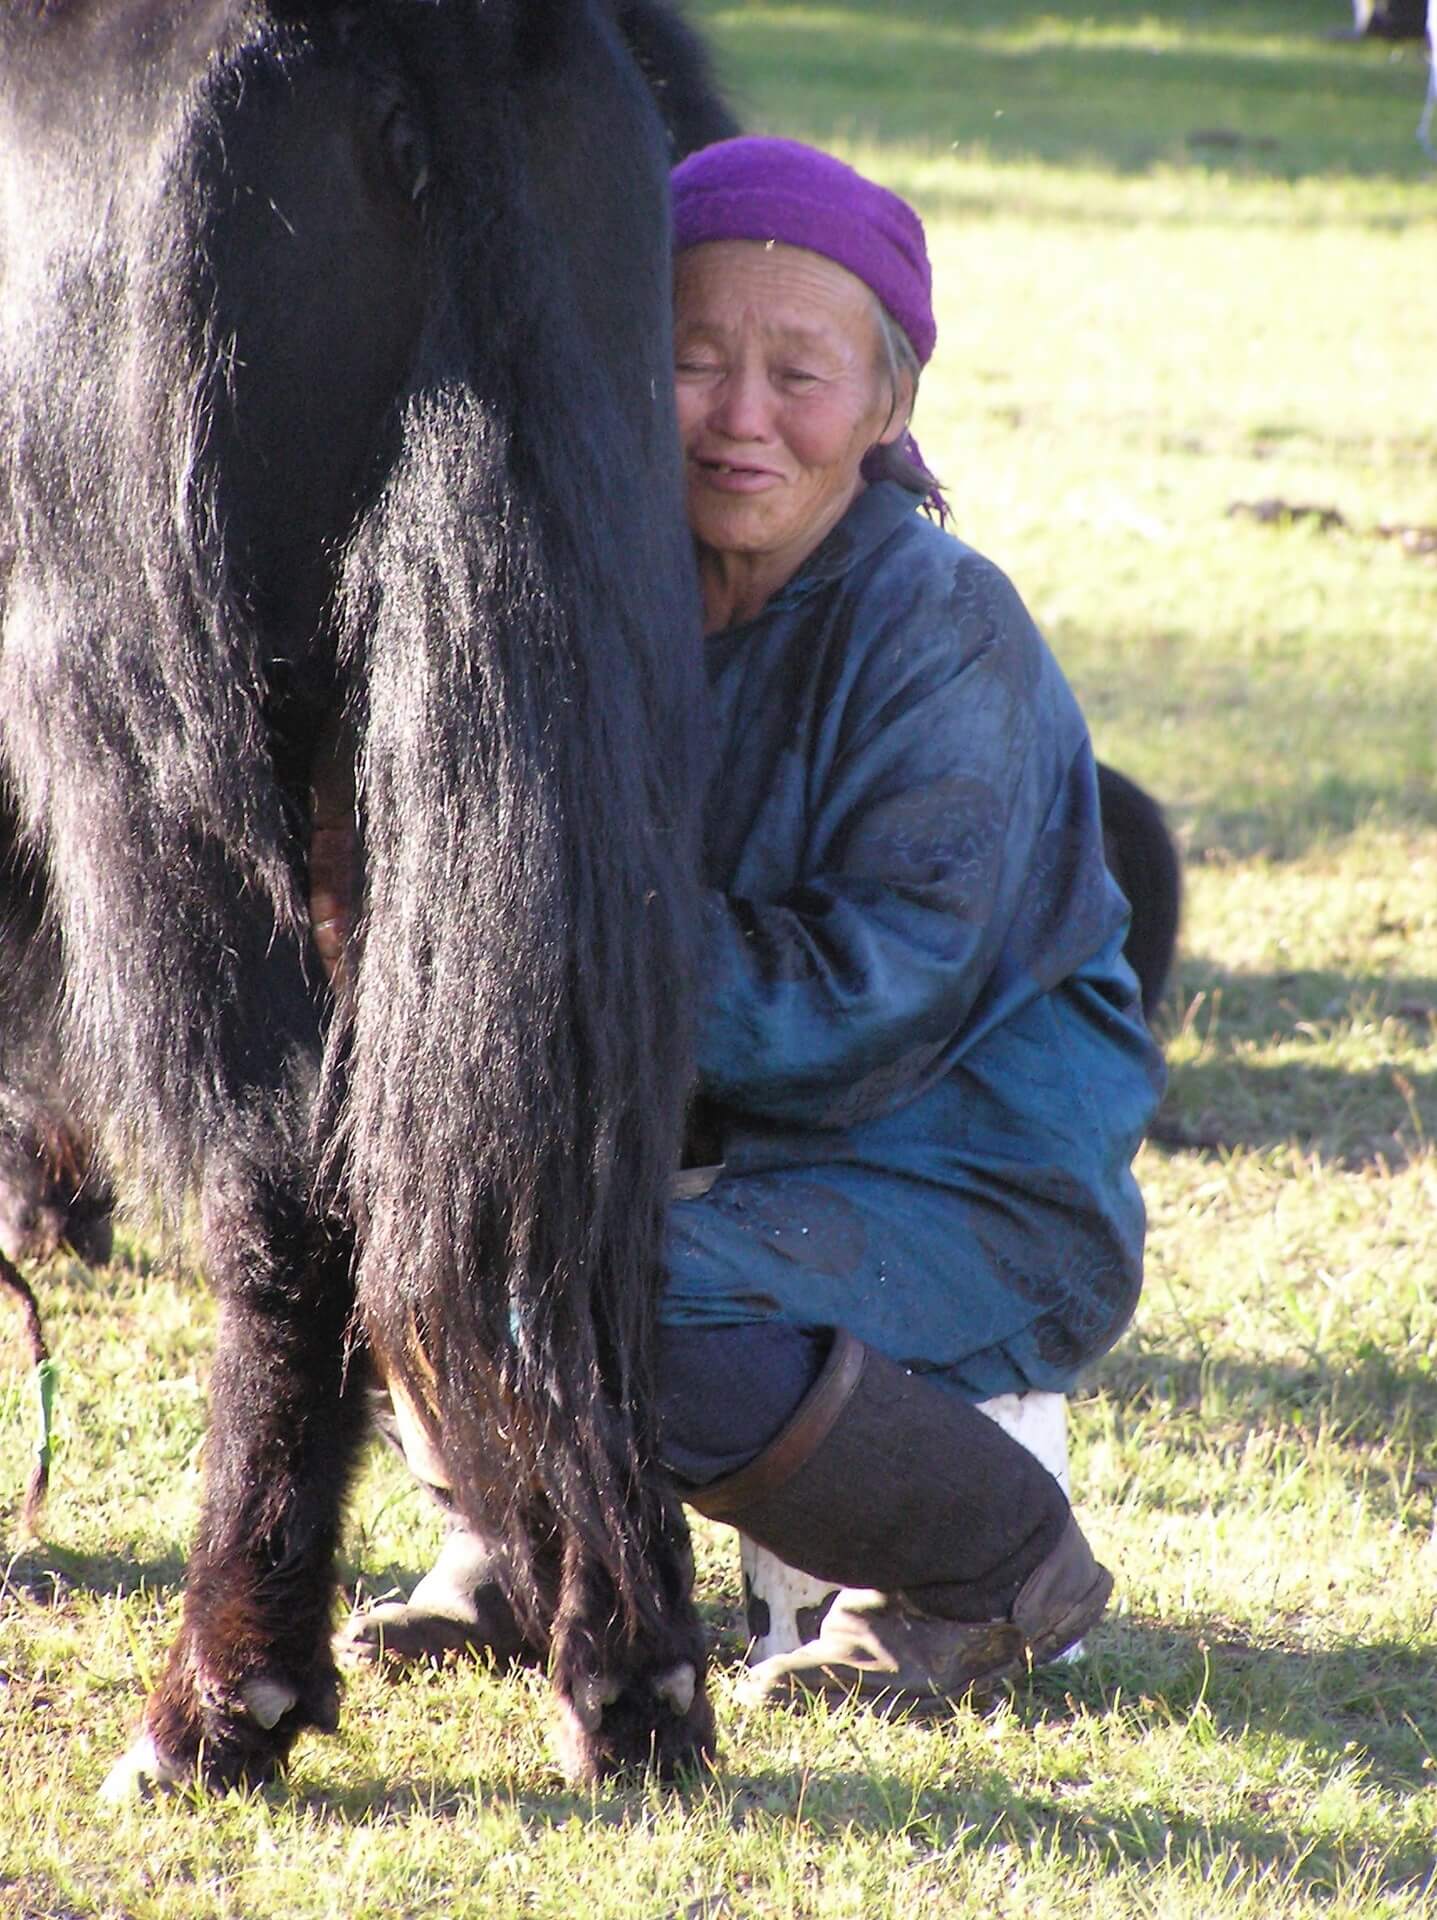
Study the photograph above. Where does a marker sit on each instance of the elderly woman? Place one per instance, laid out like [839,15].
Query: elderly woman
[921,1058]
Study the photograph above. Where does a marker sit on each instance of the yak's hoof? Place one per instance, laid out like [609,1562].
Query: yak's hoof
[233,1760]
[608,1728]
[217,1739]
[92,1240]
[140,1772]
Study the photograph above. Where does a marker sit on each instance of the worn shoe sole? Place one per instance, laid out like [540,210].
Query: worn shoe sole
[992,1656]
[1080,1618]
[394,1636]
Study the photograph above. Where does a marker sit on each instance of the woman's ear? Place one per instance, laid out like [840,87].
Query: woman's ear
[901,411]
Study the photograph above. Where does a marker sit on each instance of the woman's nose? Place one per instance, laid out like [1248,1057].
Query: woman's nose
[743,411]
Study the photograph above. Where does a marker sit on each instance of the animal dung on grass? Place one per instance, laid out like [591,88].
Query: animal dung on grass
[1288,513]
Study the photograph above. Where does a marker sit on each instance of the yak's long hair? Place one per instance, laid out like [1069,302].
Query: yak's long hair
[514,610]
[512,625]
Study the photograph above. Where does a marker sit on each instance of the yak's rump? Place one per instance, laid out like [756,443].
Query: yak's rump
[335,380]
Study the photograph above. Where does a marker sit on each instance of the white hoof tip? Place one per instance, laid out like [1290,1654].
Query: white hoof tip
[678,1687]
[136,1776]
[591,1696]
[267,1701]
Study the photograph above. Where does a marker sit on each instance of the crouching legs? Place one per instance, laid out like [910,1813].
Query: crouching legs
[956,1560]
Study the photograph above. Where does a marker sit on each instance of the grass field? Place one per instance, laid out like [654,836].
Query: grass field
[1187,262]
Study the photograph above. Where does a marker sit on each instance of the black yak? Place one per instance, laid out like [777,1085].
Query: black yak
[336,399]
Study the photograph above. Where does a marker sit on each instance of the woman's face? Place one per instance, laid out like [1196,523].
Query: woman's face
[781,392]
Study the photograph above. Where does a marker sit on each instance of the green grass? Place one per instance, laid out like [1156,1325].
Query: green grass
[1138,329]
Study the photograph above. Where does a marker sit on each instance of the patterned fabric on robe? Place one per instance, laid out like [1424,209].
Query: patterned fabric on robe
[921,1049]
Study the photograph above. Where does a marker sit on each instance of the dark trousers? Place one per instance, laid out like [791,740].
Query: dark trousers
[725,1392]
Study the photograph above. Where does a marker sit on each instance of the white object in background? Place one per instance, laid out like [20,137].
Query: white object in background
[795,1601]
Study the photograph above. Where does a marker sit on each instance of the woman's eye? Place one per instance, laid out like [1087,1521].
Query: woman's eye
[797,377]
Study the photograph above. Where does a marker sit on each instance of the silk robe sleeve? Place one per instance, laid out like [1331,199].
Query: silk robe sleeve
[846,996]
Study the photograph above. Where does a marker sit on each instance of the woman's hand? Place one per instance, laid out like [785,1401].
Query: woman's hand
[333,848]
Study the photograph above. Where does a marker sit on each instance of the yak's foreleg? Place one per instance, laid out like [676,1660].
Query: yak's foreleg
[630,1700]
[252,1665]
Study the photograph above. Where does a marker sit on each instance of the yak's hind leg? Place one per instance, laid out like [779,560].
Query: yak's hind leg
[252,1666]
[621,1705]
[626,1703]
[517,1583]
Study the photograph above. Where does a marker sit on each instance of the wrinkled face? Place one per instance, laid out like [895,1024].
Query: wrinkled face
[781,392]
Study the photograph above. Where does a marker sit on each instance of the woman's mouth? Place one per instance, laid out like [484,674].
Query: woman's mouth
[736,476]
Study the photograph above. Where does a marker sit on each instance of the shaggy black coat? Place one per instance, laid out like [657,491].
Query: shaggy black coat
[335,380]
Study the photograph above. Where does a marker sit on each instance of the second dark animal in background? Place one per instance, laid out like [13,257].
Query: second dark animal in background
[1144,860]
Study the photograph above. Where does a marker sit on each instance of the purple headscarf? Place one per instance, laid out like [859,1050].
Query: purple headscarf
[756,188]
[759,189]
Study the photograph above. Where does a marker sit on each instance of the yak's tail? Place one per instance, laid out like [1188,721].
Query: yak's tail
[519,605]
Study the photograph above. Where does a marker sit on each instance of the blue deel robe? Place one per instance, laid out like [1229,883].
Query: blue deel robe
[921,1046]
